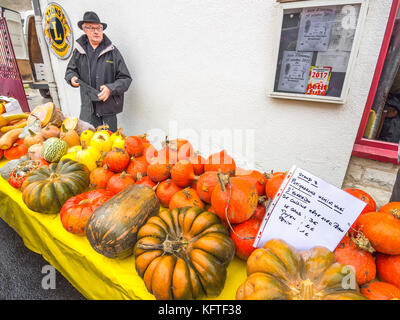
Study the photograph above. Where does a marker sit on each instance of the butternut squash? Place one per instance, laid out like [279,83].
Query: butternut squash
[112,228]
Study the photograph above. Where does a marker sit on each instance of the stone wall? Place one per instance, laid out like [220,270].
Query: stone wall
[374,177]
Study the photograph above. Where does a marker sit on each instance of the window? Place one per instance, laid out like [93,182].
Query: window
[318,41]
[379,133]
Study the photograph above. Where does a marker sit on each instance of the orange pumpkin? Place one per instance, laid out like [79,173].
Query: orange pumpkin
[119,181]
[392,208]
[243,235]
[182,173]
[198,162]
[117,160]
[165,190]
[158,170]
[370,207]
[240,193]
[77,210]
[182,147]
[16,151]
[134,146]
[258,179]
[379,290]
[273,184]
[144,180]
[206,185]
[99,177]
[187,197]
[363,262]
[259,212]
[382,229]
[388,268]
[137,165]
[221,161]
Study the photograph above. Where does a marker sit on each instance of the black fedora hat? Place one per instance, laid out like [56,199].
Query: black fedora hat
[91,17]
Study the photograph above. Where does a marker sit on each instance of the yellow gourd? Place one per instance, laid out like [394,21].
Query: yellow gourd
[103,130]
[88,156]
[118,139]
[101,141]
[72,153]
[86,136]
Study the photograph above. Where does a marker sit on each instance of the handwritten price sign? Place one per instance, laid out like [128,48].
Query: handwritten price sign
[318,81]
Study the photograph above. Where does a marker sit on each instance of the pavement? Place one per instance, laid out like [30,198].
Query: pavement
[25,275]
[34,98]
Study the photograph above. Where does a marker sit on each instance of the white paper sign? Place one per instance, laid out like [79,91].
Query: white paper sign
[344,28]
[294,71]
[309,212]
[338,60]
[315,29]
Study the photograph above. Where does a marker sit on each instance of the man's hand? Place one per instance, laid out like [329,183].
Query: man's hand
[104,93]
[74,81]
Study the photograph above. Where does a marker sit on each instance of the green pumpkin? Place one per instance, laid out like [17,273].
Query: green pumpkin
[53,149]
[46,189]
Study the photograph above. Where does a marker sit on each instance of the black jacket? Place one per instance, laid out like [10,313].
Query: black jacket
[111,71]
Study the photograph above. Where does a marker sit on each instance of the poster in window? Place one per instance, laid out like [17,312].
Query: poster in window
[344,28]
[315,29]
[294,71]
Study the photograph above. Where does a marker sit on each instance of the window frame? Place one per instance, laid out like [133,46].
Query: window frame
[350,67]
[368,148]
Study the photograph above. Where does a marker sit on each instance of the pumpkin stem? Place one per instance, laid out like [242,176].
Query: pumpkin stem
[84,146]
[363,243]
[306,290]
[186,192]
[223,179]
[268,175]
[173,247]
[85,202]
[103,127]
[262,200]
[168,246]
[53,176]
[156,186]
[396,213]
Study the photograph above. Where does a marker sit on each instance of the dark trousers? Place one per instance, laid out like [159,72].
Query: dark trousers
[110,120]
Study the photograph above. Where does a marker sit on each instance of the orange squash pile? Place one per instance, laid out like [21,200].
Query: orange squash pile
[372,247]
[211,210]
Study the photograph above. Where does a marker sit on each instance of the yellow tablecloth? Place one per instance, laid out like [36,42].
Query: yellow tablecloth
[92,274]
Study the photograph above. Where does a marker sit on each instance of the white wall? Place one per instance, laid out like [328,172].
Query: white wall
[206,65]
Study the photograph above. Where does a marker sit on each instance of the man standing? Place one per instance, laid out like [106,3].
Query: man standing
[97,67]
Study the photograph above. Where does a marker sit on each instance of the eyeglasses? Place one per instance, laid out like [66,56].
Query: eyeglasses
[92,29]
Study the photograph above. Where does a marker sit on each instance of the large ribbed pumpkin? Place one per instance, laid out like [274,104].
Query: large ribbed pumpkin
[278,271]
[183,254]
[47,188]
[113,227]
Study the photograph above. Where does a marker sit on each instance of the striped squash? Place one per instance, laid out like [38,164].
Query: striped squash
[53,149]
[46,189]
[112,228]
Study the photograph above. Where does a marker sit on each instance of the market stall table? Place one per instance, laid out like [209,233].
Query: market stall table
[94,275]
